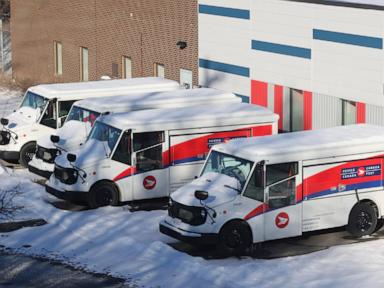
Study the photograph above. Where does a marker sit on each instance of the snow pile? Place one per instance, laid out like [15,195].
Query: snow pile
[129,245]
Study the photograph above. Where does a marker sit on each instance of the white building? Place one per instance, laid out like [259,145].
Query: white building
[315,63]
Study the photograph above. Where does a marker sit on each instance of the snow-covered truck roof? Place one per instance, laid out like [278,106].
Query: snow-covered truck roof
[80,90]
[155,100]
[308,145]
[191,117]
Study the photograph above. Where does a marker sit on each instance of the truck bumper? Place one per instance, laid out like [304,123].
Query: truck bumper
[71,196]
[43,173]
[9,155]
[188,237]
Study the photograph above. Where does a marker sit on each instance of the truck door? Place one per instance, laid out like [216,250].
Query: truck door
[283,199]
[151,177]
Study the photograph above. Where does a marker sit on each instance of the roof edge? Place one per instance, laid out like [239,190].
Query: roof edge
[342,4]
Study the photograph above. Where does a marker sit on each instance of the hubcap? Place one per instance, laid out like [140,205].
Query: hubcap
[364,221]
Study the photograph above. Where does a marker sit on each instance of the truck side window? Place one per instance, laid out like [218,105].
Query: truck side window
[278,172]
[49,116]
[123,150]
[149,150]
[281,184]
[255,188]
[64,107]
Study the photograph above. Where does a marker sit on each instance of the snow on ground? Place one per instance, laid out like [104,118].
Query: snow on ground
[128,245]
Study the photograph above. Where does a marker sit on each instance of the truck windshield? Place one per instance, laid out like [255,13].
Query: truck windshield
[82,115]
[34,101]
[105,133]
[228,165]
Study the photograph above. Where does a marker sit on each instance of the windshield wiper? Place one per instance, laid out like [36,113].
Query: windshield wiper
[230,187]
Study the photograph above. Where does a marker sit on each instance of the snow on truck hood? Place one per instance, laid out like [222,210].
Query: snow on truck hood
[24,116]
[218,188]
[72,134]
[92,151]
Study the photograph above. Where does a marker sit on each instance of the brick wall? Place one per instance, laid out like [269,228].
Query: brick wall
[145,30]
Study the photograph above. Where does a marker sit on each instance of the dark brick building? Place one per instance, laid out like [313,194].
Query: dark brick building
[68,40]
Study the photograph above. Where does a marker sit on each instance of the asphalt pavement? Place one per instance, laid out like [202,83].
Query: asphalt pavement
[23,271]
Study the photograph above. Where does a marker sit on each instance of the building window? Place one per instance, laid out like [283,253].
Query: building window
[159,70]
[58,51]
[186,78]
[348,112]
[297,110]
[126,67]
[84,73]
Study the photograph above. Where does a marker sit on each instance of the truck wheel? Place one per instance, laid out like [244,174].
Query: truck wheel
[234,238]
[27,153]
[103,194]
[362,220]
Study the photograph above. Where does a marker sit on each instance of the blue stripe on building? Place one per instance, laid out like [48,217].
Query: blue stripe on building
[281,49]
[224,11]
[345,38]
[223,67]
[244,99]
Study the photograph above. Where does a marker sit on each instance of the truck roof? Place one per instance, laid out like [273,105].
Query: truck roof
[80,90]
[362,4]
[308,145]
[190,117]
[153,100]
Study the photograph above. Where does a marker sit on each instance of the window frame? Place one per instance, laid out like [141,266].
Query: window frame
[156,65]
[129,137]
[124,67]
[82,64]
[58,57]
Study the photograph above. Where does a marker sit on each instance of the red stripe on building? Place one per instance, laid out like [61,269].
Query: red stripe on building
[259,93]
[262,130]
[278,109]
[360,117]
[307,110]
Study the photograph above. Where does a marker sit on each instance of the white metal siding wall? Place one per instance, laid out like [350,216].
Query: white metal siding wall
[327,111]
[225,40]
[375,115]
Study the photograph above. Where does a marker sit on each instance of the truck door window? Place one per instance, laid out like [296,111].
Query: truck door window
[281,182]
[49,116]
[123,150]
[148,146]
[255,188]
[64,107]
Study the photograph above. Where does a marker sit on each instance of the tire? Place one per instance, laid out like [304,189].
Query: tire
[362,220]
[234,238]
[380,224]
[26,153]
[103,194]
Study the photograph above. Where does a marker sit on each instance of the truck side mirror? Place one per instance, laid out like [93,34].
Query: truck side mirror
[4,121]
[55,139]
[71,157]
[201,195]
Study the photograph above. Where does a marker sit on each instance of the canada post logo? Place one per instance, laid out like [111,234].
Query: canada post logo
[361,171]
[214,141]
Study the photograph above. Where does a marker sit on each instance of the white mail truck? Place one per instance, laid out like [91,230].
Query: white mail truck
[84,113]
[150,153]
[45,107]
[259,189]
